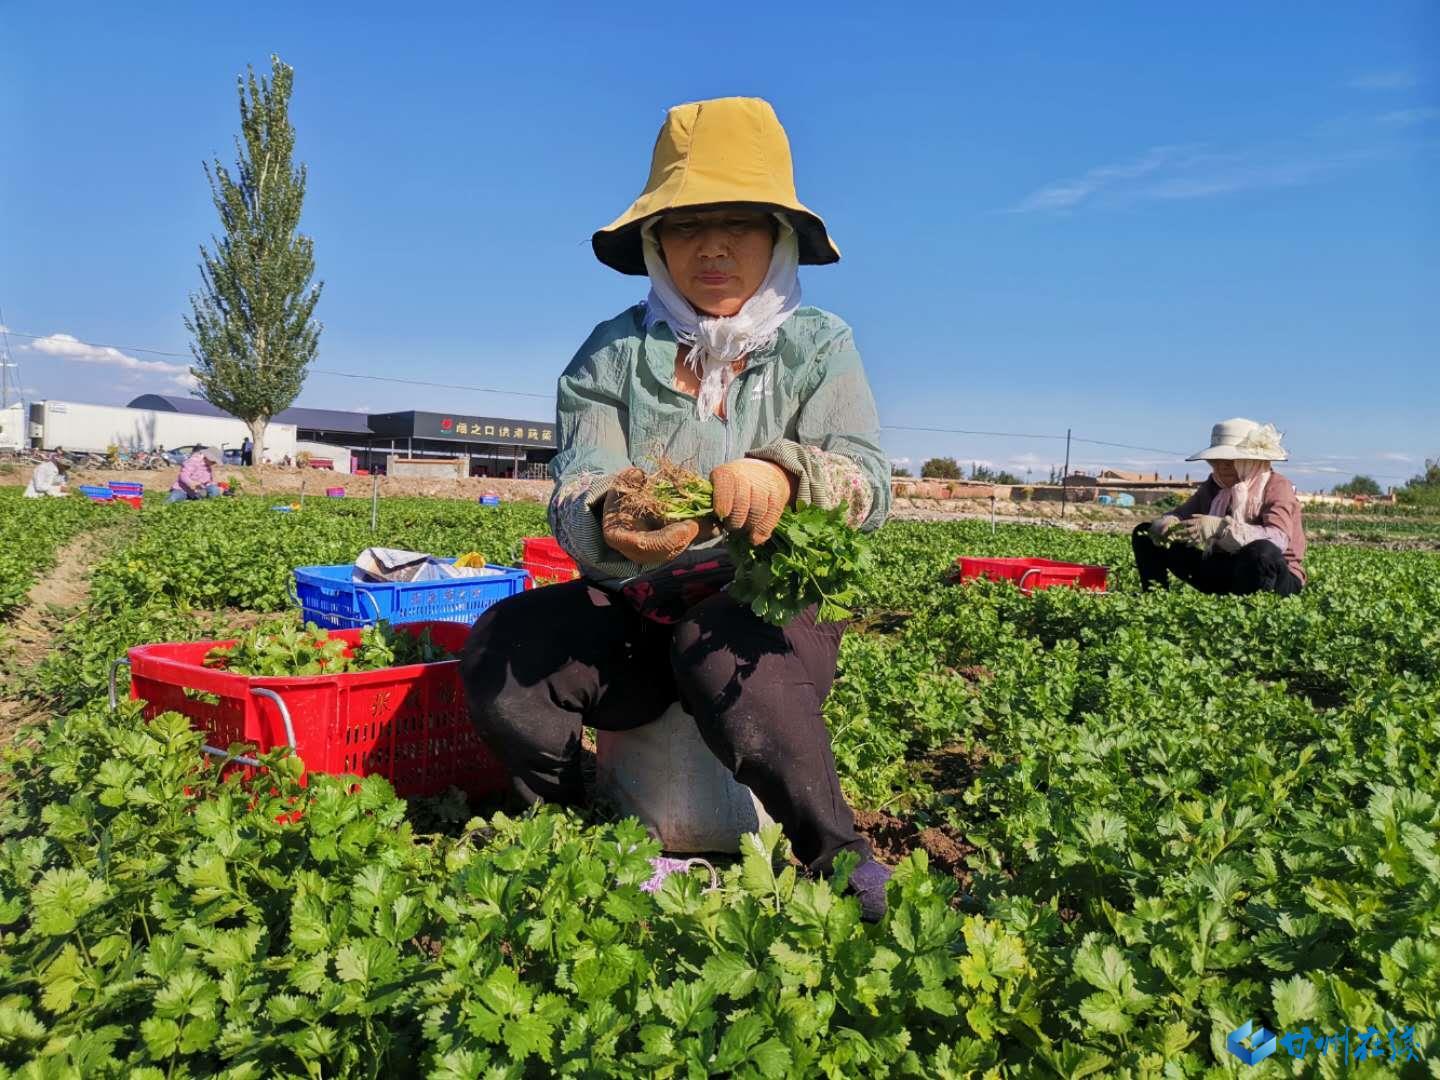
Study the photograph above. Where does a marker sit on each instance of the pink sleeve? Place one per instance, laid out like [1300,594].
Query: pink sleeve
[1248,534]
[1279,518]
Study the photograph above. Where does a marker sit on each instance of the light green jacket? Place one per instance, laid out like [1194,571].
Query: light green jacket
[803,404]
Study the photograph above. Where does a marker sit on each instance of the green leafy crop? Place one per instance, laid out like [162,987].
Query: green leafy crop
[1178,812]
[284,649]
[812,558]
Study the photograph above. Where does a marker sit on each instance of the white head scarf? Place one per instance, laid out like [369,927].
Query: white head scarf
[716,343]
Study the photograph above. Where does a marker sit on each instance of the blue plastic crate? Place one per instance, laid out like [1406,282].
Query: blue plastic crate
[125,487]
[97,494]
[330,599]
[489,500]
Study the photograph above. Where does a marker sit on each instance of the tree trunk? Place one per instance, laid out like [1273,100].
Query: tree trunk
[257,439]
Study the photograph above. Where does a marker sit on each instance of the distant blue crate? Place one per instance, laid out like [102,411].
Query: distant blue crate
[329,598]
[97,494]
[125,487]
[489,500]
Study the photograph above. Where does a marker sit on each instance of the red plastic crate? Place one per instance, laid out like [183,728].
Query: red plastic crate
[408,724]
[546,561]
[1030,574]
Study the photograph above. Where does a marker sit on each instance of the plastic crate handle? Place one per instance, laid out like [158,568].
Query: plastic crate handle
[215,751]
[114,667]
[373,603]
[295,599]
[1036,570]
[260,691]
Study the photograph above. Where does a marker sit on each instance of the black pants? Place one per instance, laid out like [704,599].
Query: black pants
[540,664]
[1257,567]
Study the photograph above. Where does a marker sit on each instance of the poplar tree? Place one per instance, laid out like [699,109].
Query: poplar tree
[254,334]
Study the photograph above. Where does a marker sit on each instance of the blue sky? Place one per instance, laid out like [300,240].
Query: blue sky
[1125,219]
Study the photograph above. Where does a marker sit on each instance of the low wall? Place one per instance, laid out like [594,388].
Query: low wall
[427,468]
[904,488]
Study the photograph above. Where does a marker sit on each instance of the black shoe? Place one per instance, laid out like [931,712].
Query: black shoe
[868,884]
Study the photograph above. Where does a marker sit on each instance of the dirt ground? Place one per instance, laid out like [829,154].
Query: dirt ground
[892,838]
[31,631]
[277,481]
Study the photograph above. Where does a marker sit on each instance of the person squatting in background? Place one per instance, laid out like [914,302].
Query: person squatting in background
[1241,532]
[48,478]
[197,477]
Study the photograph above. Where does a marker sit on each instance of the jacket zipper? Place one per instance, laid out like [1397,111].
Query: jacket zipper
[729,406]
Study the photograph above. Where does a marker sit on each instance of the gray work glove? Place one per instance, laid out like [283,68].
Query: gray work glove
[1227,541]
[1199,530]
[1162,525]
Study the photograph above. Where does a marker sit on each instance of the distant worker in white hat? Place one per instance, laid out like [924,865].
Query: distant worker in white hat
[1240,532]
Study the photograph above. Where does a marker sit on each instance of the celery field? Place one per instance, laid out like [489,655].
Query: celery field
[1125,824]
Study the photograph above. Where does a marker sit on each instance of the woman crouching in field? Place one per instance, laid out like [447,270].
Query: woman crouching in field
[1240,532]
[722,372]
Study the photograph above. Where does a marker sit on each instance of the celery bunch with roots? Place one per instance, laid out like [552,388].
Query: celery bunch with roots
[813,556]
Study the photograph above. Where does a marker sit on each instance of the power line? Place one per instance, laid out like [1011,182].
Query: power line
[532,394]
[101,345]
[314,371]
[1131,446]
[1029,435]
[1100,442]
[422,382]
[964,431]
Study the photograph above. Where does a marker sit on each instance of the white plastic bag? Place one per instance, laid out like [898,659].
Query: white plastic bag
[389,564]
[665,775]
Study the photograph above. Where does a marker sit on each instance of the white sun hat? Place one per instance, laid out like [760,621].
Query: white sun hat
[1239,439]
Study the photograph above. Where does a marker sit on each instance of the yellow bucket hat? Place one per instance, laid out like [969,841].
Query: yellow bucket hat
[722,152]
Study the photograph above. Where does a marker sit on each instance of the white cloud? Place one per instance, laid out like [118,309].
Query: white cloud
[1243,176]
[1176,173]
[1395,79]
[1395,455]
[1066,194]
[1407,118]
[1196,171]
[68,347]
[900,461]
[1029,460]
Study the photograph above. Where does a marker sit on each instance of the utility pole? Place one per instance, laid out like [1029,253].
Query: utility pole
[5,365]
[1064,489]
